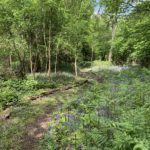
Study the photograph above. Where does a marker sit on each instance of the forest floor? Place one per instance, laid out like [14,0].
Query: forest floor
[35,130]
[30,121]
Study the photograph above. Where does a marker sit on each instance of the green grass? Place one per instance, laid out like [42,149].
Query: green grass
[122,102]
[96,63]
[13,130]
[24,111]
[101,63]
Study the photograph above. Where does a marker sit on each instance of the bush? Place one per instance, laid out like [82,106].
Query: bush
[6,73]
[44,82]
[21,85]
[8,98]
[56,80]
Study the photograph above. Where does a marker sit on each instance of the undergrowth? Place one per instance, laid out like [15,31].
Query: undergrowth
[12,91]
[109,116]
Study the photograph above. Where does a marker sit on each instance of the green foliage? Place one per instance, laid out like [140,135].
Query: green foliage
[60,79]
[8,98]
[20,85]
[58,35]
[65,67]
[85,64]
[101,63]
[112,115]
[132,44]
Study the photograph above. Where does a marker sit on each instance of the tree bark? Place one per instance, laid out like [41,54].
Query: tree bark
[22,70]
[114,26]
[92,55]
[75,66]
[31,63]
[46,53]
[56,57]
[10,60]
[49,54]
[34,69]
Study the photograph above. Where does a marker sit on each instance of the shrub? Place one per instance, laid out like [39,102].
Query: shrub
[56,80]
[8,98]
[44,82]
[21,85]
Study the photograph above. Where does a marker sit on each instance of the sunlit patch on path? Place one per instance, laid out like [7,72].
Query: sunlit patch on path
[35,131]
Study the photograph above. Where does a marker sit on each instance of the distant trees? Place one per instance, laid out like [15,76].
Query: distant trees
[131,43]
[37,23]
[39,35]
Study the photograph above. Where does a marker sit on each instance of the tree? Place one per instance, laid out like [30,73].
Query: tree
[114,9]
[132,42]
[76,28]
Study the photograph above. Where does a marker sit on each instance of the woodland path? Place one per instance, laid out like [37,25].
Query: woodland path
[36,130]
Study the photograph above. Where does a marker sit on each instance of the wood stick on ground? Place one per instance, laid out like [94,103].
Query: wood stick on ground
[52,91]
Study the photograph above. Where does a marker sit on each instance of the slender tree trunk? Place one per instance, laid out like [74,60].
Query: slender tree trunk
[75,65]
[56,57]
[35,61]
[46,63]
[22,70]
[41,62]
[114,26]
[92,54]
[34,70]
[31,63]
[49,54]
[30,52]
[10,60]
[46,51]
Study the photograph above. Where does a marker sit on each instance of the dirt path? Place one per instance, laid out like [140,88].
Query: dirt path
[35,130]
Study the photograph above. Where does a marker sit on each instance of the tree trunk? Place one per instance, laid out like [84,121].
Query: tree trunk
[10,60]
[46,53]
[30,52]
[114,26]
[49,54]
[56,62]
[41,62]
[92,55]
[31,63]
[75,66]
[34,70]
[22,71]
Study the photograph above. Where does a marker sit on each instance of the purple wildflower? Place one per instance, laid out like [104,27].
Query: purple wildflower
[80,147]
[69,124]
[57,117]
[70,117]
[103,111]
